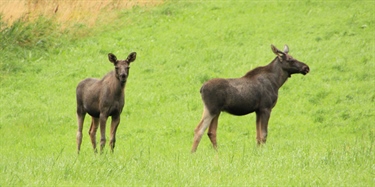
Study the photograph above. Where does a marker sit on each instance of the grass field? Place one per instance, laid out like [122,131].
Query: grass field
[321,132]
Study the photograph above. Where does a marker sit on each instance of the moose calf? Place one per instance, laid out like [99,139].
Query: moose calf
[256,91]
[101,99]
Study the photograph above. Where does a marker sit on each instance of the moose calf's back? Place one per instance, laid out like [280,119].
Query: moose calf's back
[235,96]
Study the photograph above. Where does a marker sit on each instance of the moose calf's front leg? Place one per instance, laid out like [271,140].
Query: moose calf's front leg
[92,132]
[114,124]
[103,120]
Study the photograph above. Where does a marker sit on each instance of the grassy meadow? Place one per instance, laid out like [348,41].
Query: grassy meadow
[321,132]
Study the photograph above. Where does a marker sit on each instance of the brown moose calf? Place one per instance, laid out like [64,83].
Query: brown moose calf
[256,91]
[101,99]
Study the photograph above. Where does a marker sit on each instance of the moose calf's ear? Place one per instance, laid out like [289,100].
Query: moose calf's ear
[112,58]
[286,49]
[131,57]
[277,52]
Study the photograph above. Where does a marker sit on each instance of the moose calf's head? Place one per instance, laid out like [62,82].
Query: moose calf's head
[122,66]
[288,63]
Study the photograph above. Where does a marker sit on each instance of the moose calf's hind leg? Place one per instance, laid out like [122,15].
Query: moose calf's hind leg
[262,126]
[199,130]
[212,131]
[80,118]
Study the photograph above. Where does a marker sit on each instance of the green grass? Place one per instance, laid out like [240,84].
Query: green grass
[321,132]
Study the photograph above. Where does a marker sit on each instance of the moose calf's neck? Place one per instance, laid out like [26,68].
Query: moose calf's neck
[272,72]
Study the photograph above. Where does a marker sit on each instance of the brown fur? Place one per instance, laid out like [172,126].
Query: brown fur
[256,91]
[101,99]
